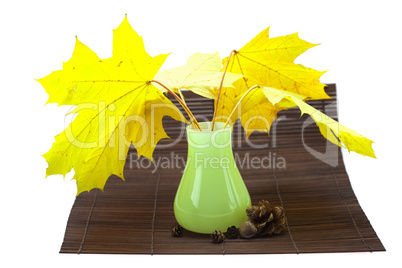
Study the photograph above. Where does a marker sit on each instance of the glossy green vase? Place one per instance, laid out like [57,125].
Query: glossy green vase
[212,194]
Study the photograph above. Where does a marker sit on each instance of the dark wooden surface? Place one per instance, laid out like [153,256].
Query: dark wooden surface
[136,216]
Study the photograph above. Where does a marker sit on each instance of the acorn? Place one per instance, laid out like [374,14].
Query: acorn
[248,230]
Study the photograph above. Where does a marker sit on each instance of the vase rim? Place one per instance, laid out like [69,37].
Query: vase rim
[206,126]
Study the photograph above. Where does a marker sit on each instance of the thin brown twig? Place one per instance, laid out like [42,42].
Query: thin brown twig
[182,103]
[195,123]
[238,103]
[182,97]
[220,89]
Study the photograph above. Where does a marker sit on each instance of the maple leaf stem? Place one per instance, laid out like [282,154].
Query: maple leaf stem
[238,103]
[182,97]
[220,89]
[183,104]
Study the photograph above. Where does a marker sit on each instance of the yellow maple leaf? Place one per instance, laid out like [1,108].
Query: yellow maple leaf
[269,62]
[202,75]
[116,105]
[329,128]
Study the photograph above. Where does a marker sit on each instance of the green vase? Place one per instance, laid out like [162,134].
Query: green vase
[212,194]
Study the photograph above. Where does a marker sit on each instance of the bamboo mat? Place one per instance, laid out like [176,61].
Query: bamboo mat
[136,216]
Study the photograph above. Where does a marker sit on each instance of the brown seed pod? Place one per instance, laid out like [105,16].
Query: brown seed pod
[269,230]
[263,219]
[177,231]
[278,212]
[217,237]
[260,213]
[232,232]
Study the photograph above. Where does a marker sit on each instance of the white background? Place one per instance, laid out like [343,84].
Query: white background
[360,46]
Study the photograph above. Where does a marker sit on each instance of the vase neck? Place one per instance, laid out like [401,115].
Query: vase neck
[211,143]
